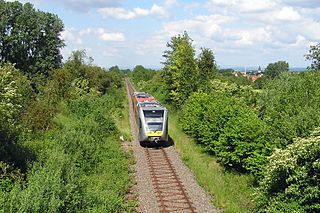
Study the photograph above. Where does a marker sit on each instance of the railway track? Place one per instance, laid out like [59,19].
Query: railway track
[170,192]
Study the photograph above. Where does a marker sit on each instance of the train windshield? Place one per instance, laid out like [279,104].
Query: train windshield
[154,119]
[153,115]
[154,126]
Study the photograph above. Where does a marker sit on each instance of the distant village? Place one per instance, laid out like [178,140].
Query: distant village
[252,75]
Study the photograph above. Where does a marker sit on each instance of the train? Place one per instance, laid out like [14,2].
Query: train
[151,118]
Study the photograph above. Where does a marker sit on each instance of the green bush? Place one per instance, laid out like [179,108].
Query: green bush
[289,105]
[80,165]
[291,180]
[51,187]
[38,116]
[227,128]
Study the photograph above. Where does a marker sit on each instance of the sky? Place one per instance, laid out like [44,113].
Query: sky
[243,33]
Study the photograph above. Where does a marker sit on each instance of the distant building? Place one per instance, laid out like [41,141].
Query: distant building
[254,75]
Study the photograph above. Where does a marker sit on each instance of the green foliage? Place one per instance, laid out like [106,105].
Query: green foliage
[9,106]
[15,95]
[70,82]
[227,128]
[180,69]
[29,38]
[289,105]
[98,79]
[82,167]
[241,92]
[314,57]
[80,57]
[275,69]
[260,82]
[291,180]
[140,73]
[8,176]
[207,67]
[226,75]
[78,165]
[155,86]
[231,191]
[39,116]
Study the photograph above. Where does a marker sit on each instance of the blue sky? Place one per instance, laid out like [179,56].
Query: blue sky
[240,32]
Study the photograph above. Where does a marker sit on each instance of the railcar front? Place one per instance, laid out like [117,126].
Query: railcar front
[152,122]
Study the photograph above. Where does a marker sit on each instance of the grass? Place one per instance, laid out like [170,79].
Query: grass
[231,192]
[122,118]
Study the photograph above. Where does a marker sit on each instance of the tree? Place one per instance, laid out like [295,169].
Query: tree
[180,69]
[207,66]
[140,73]
[30,39]
[80,57]
[275,69]
[114,69]
[314,57]
[291,179]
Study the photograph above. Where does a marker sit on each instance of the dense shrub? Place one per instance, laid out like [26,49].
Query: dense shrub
[39,116]
[51,187]
[245,93]
[15,95]
[139,73]
[80,165]
[290,105]
[227,128]
[291,181]
[155,86]
[9,95]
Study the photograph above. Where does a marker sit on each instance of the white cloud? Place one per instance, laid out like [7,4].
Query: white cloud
[250,37]
[288,14]
[206,25]
[68,36]
[103,34]
[112,36]
[242,6]
[302,3]
[121,13]
[285,14]
[311,29]
[87,5]
[169,3]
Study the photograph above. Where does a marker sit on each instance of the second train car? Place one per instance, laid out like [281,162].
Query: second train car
[151,117]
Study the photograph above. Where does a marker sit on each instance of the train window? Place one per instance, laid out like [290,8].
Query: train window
[153,113]
[154,126]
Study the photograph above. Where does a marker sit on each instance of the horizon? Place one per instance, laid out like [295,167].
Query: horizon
[126,33]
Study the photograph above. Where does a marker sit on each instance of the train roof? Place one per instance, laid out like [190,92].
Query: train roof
[151,105]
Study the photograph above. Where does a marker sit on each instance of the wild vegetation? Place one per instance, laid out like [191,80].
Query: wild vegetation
[59,143]
[59,149]
[248,130]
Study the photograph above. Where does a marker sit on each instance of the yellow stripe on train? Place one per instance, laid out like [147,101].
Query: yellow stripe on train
[154,134]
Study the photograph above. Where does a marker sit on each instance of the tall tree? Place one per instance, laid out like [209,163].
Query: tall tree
[207,66]
[29,38]
[141,73]
[314,57]
[275,69]
[180,68]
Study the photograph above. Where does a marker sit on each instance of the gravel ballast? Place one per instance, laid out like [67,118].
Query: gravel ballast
[144,188]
